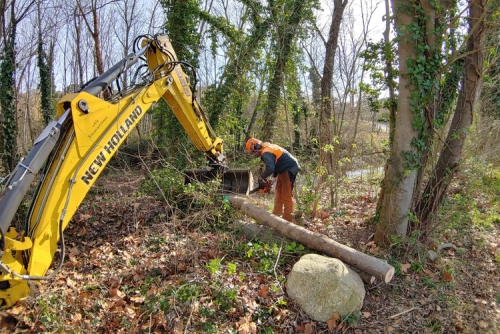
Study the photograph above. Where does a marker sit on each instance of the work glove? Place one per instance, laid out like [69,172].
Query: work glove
[265,186]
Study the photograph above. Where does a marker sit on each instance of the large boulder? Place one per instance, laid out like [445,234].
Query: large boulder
[322,286]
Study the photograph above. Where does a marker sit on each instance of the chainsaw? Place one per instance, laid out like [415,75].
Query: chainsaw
[264,187]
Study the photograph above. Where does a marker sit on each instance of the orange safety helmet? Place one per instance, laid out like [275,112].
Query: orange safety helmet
[253,145]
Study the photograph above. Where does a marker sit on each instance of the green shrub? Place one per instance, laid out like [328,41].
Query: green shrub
[163,182]
[384,118]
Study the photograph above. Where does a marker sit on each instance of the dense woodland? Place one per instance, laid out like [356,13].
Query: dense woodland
[405,89]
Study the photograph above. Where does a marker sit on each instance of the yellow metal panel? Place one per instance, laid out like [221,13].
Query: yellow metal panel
[96,138]
[180,99]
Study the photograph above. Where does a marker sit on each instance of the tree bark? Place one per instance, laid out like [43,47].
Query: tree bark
[95,32]
[326,111]
[392,95]
[366,263]
[449,158]
[3,6]
[78,46]
[240,61]
[399,180]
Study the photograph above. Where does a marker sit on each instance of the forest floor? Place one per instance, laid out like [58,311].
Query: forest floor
[132,268]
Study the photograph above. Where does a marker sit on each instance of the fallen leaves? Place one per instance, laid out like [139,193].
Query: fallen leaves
[482,324]
[332,322]
[18,309]
[113,275]
[245,326]
[263,291]
[372,248]
[74,251]
[70,283]
[447,277]
[405,267]
[307,328]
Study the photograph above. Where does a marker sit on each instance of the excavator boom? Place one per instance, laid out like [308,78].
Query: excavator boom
[72,152]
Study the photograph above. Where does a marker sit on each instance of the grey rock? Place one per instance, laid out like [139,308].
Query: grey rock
[432,255]
[322,286]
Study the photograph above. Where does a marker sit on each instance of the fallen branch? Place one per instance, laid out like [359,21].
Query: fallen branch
[366,263]
[404,312]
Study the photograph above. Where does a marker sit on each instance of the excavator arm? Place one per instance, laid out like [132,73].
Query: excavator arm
[72,152]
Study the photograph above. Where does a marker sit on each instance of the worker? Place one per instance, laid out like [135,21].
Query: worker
[279,162]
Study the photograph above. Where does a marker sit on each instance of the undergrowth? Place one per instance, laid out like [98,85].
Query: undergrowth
[192,270]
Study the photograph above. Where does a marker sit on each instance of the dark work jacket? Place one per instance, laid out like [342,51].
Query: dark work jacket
[285,163]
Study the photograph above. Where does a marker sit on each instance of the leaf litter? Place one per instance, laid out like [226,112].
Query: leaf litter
[131,268]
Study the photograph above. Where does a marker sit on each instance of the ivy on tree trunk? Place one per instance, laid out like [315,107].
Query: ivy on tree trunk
[46,85]
[7,101]
[296,12]
[470,88]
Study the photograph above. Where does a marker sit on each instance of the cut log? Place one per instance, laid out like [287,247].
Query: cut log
[366,278]
[363,262]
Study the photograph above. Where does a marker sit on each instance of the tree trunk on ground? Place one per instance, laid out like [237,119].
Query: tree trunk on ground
[399,179]
[451,153]
[366,263]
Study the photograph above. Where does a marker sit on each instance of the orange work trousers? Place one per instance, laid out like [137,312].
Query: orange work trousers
[283,202]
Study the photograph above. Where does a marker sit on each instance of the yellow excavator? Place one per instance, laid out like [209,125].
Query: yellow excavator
[71,153]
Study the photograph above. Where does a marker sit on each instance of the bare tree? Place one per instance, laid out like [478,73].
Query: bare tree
[126,29]
[94,29]
[326,112]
